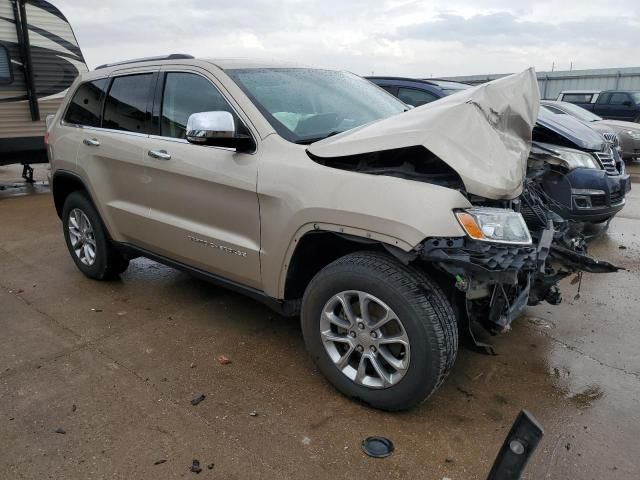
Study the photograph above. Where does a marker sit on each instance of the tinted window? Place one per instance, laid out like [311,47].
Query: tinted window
[554,110]
[392,90]
[184,94]
[415,97]
[86,105]
[577,97]
[619,98]
[126,105]
[5,66]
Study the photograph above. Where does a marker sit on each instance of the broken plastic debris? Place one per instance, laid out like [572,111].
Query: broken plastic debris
[211,465]
[198,399]
[224,360]
[253,414]
[195,466]
[377,447]
[60,430]
[73,407]
[97,310]
[158,462]
[121,314]
[192,365]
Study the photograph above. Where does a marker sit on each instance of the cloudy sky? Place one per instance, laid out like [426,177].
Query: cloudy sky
[399,37]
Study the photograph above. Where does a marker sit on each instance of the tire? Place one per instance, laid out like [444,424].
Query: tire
[106,263]
[423,311]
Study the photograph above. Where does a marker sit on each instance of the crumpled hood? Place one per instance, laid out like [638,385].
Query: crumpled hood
[580,134]
[483,133]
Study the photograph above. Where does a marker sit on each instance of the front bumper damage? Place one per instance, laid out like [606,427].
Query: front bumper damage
[495,279]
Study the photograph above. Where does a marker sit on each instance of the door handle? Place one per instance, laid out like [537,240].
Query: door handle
[92,142]
[159,154]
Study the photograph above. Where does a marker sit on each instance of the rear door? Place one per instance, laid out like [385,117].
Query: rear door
[113,156]
[205,209]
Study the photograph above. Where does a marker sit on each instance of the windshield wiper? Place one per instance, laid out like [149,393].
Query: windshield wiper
[308,141]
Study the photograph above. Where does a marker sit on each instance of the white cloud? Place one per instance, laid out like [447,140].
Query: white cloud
[400,37]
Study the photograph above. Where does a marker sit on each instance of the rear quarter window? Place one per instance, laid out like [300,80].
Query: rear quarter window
[86,105]
[577,97]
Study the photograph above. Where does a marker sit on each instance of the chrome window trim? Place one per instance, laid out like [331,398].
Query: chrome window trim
[100,129]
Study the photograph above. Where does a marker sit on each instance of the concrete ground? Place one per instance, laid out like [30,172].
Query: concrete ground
[116,364]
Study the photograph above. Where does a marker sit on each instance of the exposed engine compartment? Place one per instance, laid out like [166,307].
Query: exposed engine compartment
[411,163]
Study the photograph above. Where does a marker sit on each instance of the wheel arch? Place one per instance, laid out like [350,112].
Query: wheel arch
[317,245]
[63,183]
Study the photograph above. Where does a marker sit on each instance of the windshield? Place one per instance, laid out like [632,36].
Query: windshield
[636,97]
[579,112]
[306,105]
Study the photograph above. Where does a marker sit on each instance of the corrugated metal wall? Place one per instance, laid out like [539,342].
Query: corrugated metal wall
[552,83]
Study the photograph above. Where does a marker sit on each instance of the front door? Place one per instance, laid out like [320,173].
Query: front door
[205,210]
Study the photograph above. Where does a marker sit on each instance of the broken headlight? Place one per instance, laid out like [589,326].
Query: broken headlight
[569,157]
[494,225]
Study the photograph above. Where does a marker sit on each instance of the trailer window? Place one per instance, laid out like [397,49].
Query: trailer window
[86,104]
[6,76]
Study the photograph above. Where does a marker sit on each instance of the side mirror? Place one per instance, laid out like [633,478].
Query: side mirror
[217,129]
[627,103]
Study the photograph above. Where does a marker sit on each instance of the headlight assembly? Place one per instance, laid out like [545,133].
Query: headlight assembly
[494,225]
[570,157]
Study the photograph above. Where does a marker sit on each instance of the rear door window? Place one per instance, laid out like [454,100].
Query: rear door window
[415,97]
[127,105]
[6,76]
[187,93]
[86,105]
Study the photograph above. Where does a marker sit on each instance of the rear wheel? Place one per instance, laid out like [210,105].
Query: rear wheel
[87,241]
[380,331]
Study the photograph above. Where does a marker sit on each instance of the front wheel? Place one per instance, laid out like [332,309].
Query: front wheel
[380,331]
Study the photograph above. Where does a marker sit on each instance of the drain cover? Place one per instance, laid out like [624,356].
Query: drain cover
[377,447]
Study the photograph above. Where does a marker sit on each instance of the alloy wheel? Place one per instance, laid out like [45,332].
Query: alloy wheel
[365,339]
[82,237]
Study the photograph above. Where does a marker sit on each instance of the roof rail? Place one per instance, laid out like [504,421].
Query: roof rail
[173,56]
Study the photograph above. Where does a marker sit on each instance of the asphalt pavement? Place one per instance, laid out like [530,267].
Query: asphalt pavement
[97,378]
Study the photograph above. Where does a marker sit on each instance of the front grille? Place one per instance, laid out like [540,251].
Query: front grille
[608,162]
[598,201]
[612,138]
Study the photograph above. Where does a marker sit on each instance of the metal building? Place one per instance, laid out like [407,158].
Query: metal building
[552,83]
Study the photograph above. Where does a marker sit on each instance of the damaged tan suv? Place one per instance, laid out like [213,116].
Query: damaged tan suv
[386,229]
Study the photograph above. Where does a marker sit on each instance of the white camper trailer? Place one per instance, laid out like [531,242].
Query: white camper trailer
[39,59]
